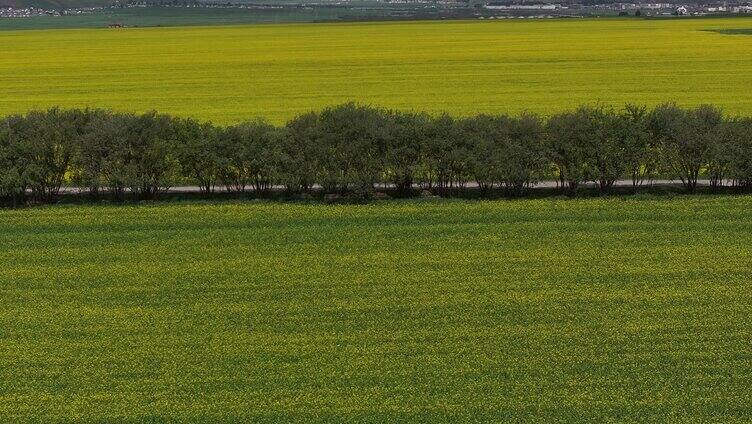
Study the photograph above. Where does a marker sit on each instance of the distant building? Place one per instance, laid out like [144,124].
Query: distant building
[656,6]
[523,6]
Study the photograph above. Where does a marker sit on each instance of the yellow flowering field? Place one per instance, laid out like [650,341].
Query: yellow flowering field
[230,73]
[629,309]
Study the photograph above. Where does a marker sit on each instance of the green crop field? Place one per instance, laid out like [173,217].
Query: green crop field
[538,310]
[227,74]
[173,16]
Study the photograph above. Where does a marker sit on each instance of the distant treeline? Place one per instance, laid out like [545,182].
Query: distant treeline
[350,149]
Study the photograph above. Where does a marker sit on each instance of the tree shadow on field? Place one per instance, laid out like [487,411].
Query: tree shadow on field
[731,31]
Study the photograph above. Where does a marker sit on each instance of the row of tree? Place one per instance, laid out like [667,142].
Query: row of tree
[350,148]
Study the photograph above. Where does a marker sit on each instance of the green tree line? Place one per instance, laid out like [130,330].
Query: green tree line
[352,149]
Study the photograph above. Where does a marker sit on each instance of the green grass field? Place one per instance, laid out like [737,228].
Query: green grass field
[227,74]
[539,310]
[177,16]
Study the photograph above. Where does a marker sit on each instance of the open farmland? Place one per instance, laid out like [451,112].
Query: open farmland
[226,74]
[605,309]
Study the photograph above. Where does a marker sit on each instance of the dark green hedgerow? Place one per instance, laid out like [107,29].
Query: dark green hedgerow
[351,149]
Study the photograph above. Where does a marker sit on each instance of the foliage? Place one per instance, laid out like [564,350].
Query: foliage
[569,135]
[302,153]
[199,145]
[505,151]
[249,156]
[737,136]
[355,137]
[404,152]
[151,160]
[446,153]
[641,151]
[525,154]
[688,138]
[350,149]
